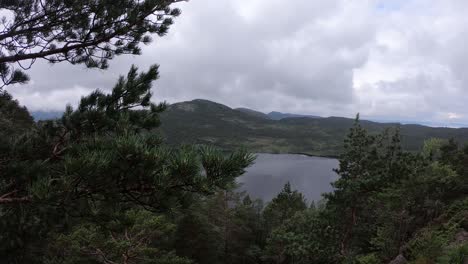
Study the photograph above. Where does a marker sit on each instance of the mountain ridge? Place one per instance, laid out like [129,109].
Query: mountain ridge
[206,122]
[275,115]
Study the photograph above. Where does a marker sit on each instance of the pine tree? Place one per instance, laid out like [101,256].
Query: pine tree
[283,207]
[304,238]
[14,119]
[139,236]
[369,164]
[97,162]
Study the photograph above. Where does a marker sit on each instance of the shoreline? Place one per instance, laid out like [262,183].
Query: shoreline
[305,154]
[318,156]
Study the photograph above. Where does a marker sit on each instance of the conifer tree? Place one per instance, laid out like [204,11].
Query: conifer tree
[283,207]
[97,162]
[14,119]
[369,164]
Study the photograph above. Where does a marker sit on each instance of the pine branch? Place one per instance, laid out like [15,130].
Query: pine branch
[6,199]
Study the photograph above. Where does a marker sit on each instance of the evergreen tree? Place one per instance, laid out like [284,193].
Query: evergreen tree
[138,237]
[304,238]
[222,228]
[369,165]
[14,119]
[97,162]
[355,183]
[283,207]
[196,237]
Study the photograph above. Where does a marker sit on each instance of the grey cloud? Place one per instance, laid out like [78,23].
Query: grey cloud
[418,65]
[300,57]
[229,50]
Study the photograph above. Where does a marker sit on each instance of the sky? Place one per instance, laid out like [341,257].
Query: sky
[389,60]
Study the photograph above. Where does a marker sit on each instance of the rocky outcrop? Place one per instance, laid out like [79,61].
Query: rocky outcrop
[400,259]
[461,237]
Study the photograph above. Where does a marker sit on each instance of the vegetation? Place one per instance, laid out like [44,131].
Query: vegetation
[99,185]
[89,181]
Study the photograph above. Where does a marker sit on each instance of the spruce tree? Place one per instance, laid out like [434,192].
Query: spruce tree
[283,206]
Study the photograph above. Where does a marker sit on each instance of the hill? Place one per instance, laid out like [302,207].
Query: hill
[274,115]
[278,115]
[253,112]
[206,122]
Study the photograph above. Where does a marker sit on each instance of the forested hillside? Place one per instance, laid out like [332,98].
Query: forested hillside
[206,122]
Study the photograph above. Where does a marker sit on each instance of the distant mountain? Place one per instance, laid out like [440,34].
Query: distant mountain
[272,115]
[278,115]
[424,123]
[44,115]
[206,122]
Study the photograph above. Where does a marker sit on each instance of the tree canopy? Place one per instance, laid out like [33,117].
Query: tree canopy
[89,169]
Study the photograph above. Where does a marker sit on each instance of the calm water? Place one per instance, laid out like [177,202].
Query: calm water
[310,175]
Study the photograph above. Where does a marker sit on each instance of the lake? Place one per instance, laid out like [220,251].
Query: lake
[310,175]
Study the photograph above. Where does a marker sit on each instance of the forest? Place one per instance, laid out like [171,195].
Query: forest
[100,185]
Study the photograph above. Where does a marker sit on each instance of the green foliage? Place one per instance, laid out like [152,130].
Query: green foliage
[12,76]
[76,175]
[14,119]
[223,228]
[385,199]
[368,166]
[427,245]
[438,240]
[99,185]
[306,237]
[283,206]
[455,255]
[386,203]
[432,148]
[135,237]
[368,259]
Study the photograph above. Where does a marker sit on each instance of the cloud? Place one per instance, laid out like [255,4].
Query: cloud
[51,100]
[230,51]
[383,58]
[416,69]
[454,116]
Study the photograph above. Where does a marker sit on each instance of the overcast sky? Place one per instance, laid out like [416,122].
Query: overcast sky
[387,59]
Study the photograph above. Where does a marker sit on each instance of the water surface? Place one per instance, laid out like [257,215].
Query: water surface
[310,175]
